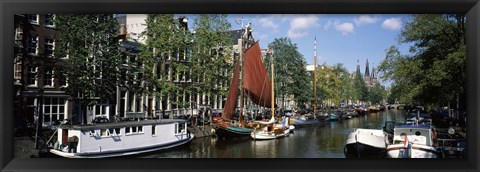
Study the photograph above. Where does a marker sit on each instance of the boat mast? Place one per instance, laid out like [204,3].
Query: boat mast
[315,78]
[240,49]
[273,83]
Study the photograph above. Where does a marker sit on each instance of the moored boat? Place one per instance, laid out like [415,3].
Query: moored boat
[365,143]
[413,141]
[120,139]
[249,70]
[303,121]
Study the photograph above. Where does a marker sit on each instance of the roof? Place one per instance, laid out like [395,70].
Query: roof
[121,124]
[413,126]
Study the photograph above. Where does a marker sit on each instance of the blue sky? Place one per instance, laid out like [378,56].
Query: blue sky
[341,38]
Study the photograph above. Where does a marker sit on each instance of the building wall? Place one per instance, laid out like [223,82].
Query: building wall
[38,87]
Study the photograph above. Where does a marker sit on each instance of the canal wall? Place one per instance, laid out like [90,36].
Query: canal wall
[200,131]
[24,147]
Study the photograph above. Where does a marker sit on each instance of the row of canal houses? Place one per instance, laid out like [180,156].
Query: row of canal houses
[40,91]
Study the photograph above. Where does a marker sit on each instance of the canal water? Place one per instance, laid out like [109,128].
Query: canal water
[326,140]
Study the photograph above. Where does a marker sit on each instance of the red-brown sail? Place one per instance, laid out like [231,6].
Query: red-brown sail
[256,82]
[232,98]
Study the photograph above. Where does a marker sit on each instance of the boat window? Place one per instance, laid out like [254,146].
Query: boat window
[92,132]
[117,131]
[127,130]
[134,129]
[153,129]
[140,129]
[179,128]
[418,133]
[111,132]
[104,132]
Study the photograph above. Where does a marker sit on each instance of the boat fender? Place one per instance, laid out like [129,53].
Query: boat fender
[56,146]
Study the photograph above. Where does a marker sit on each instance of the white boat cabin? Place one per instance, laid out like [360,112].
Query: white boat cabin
[115,138]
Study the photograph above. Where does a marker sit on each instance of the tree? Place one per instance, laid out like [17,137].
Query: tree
[376,94]
[163,59]
[89,42]
[434,71]
[346,89]
[361,90]
[291,76]
[212,46]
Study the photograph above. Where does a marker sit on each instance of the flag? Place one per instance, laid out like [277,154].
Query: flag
[406,143]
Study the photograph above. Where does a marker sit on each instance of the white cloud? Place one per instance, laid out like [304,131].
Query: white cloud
[392,24]
[344,28]
[300,24]
[365,19]
[268,22]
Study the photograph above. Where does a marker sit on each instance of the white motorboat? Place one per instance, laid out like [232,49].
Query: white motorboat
[413,141]
[365,143]
[120,139]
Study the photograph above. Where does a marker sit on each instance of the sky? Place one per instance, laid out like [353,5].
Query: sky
[341,38]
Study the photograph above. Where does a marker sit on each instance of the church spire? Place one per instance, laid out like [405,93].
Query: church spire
[367,73]
[358,67]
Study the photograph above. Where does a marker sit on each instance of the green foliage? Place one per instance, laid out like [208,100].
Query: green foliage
[434,72]
[291,77]
[93,56]
[361,90]
[376,94]
[159,55]
[211,47]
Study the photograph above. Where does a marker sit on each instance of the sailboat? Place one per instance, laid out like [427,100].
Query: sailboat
[269,129]
[304,120]
[249,79]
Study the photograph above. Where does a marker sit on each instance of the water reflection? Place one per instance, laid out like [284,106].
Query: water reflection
[322,141]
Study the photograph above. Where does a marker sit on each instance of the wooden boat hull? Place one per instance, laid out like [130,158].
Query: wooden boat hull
[232,132]
[125,152]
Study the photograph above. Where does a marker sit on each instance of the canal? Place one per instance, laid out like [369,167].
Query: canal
[325,140]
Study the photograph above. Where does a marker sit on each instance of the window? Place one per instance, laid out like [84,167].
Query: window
[53,110]
[62,81]
[48,78]
[140,129]
[32,76]
[49,47]
[32,46]
[19,33]
[154,128]
[134,130]
[17,71]
[117,131]
[49,20]
[101,108]
[180,128]
[92,133]
[33,18]
[104,132]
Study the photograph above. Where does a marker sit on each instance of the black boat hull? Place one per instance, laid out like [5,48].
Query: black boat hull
[222,132]
[359,150]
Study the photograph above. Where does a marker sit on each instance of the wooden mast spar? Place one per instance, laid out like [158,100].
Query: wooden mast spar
[315,78]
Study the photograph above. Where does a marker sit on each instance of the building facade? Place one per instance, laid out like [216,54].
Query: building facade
[38,77]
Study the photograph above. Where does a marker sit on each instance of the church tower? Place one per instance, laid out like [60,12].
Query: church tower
[358,68]
[367,74]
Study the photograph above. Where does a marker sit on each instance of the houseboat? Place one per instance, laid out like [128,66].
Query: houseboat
[120,138]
